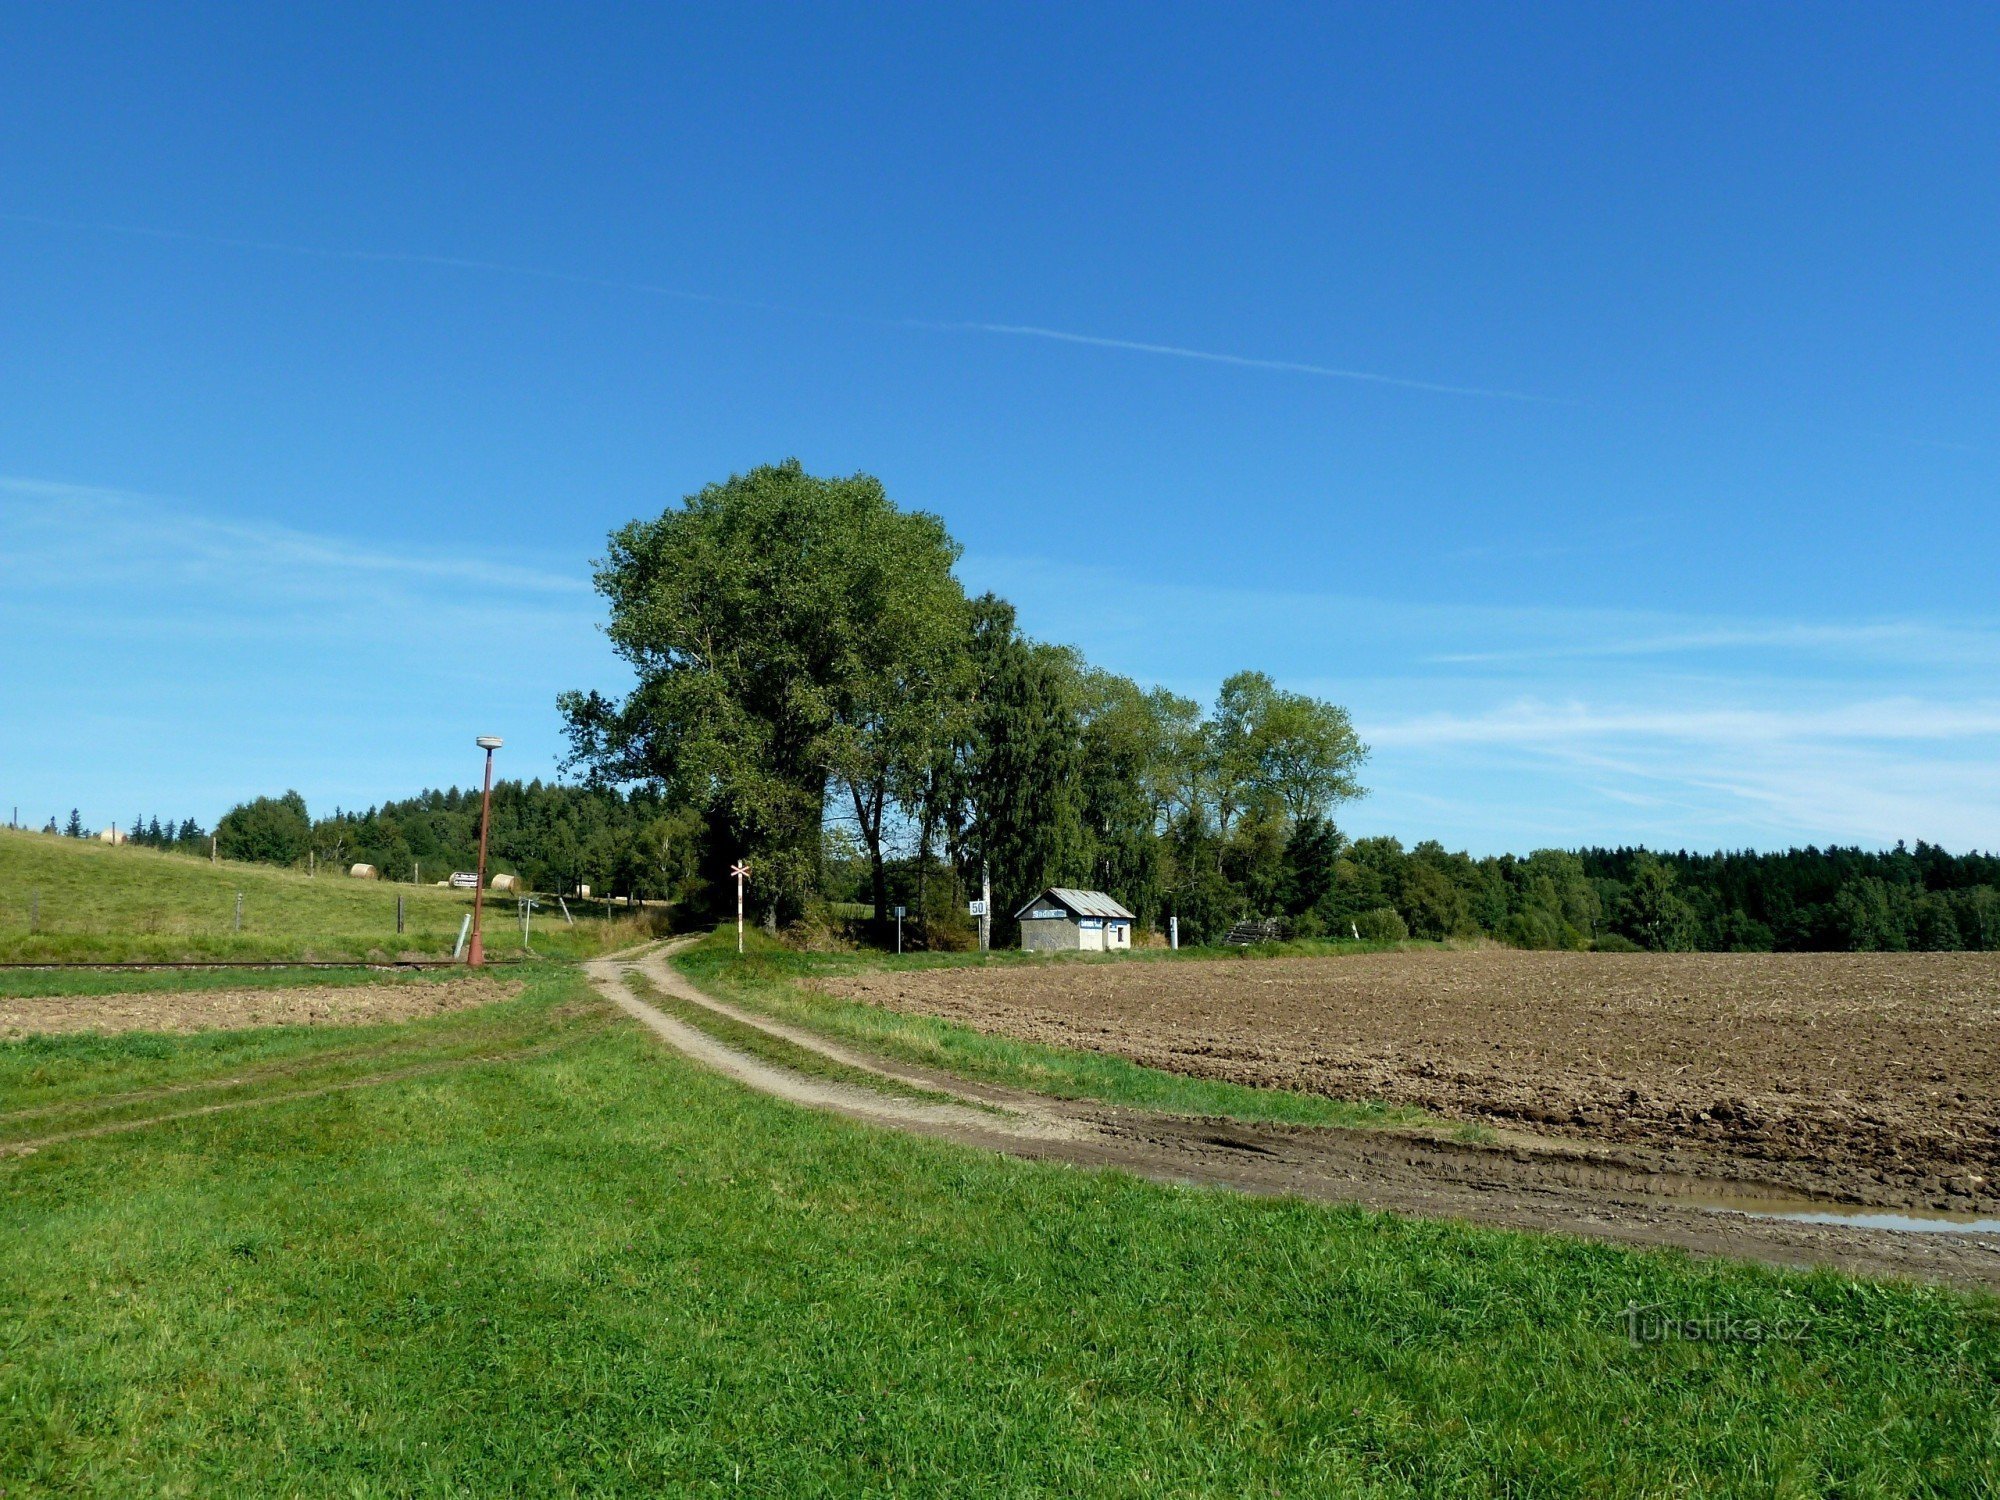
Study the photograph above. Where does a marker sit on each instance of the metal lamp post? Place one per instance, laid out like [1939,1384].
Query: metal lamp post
[475,956]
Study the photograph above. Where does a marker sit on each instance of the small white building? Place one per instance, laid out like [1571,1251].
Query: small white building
[1061,920]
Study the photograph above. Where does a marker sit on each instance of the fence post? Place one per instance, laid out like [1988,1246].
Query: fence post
[34,910]
[399,914]
[239,911]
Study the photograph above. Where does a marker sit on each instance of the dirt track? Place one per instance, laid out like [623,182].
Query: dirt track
[1619,1193]
[1873,1078]
[223,1010]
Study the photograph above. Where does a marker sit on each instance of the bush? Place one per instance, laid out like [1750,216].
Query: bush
[1540,929]
[1612,942]
[1382,925]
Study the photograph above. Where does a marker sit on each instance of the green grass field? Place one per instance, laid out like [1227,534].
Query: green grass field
[65,900]
[563,1261]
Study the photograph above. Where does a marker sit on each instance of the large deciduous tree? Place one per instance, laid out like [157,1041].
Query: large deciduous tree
[1272,750]
[788,632]
[273,830]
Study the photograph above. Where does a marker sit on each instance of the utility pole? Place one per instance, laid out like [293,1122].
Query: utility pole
[985,905]
[477,957]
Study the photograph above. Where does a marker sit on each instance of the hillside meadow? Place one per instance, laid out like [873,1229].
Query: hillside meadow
[69,900]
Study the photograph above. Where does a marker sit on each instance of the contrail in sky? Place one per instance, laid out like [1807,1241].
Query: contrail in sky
[573,278]
[1292,366]
[391,258]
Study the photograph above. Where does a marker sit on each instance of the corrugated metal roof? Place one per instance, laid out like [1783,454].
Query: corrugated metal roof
[1083,903]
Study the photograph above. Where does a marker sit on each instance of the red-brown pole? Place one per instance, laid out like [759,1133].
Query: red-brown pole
[476,956]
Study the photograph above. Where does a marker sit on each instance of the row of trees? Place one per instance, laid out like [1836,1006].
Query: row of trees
[1300,870]
[150,833]
[805,654]
[557,838]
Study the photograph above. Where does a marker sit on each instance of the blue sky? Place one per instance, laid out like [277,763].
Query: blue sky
[1601,402]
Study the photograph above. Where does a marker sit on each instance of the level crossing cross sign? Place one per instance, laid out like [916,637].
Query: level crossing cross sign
[741,873]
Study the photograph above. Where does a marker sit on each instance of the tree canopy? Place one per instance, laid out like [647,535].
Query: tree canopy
[788,633]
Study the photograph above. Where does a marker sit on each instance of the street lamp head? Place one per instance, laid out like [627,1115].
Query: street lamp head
[489,742]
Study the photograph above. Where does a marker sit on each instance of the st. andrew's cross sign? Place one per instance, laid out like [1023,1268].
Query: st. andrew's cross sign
[741,871]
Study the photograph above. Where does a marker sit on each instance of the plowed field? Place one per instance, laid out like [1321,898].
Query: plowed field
[1874,1077]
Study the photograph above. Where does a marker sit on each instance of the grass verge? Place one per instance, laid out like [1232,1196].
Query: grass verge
[770,978]
[602,1270]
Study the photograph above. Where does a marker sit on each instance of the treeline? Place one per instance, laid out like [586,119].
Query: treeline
[1903,900]
[1303,874]
[557,838]
[150,833]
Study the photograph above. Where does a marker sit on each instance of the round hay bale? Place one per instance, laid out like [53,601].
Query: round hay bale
[364,872]
[506,883]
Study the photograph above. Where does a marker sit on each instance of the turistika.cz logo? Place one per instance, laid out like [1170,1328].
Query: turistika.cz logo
[1648,1324]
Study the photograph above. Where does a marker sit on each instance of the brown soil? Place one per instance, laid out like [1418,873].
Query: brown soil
[222,1010]
[1872,1078]
[1618,1193]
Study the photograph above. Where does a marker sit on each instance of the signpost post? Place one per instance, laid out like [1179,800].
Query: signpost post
[741,871]
[899,929]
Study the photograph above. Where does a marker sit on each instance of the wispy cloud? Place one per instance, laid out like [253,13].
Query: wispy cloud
[1509,726]
[393,258]
[1874,638]
[250,657]
[1870,770]
[1567,725]
[682,294]
[86,531]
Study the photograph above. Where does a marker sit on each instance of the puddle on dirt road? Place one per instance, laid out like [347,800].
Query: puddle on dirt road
[1852,1216]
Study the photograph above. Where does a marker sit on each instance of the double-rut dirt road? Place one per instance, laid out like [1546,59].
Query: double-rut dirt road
[1613,1191]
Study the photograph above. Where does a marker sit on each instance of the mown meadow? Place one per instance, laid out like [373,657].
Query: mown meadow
[527,1250]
